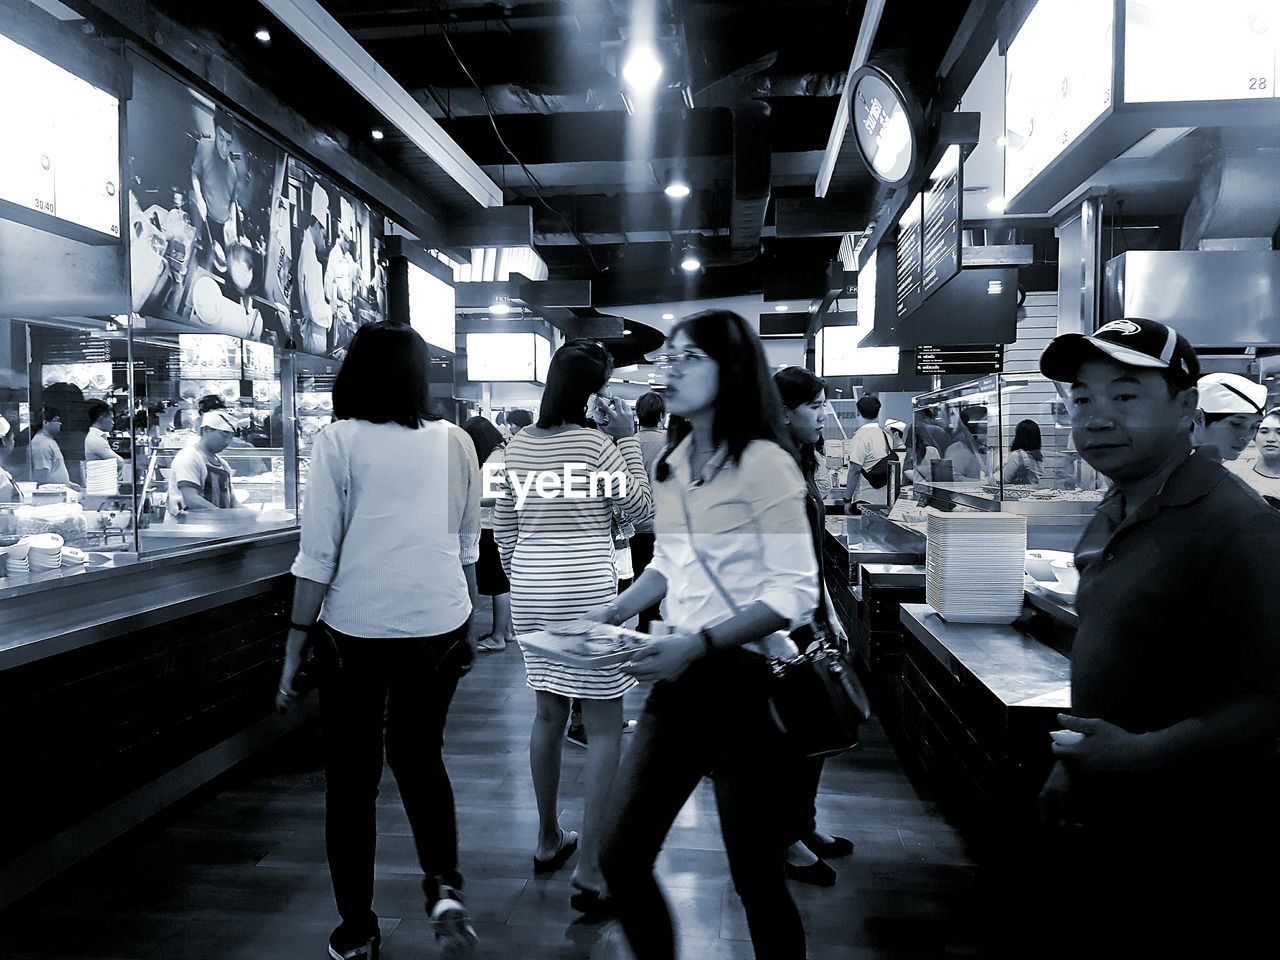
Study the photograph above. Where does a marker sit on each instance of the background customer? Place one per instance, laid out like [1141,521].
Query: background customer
[385,589]
[491,579]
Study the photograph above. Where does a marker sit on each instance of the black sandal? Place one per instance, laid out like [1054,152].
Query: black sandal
[568,844]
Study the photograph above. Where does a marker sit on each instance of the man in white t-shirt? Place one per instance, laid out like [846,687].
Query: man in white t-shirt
[201,476]
[867,448]
[48,465]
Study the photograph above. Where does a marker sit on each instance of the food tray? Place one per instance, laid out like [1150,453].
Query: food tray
[595,645]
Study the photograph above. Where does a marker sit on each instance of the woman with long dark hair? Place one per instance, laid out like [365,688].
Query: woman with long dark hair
[385,588]
[1025,463]
[558,552]
[804,400]
[735,567]
[491,579]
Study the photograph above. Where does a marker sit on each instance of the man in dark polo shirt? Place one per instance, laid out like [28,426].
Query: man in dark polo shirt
[1176,662]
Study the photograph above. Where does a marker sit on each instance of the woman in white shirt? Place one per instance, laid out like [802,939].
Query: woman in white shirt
[735,566]
[385,591]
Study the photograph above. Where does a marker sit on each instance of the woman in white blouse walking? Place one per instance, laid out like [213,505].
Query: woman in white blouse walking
[735,563]
[385,591]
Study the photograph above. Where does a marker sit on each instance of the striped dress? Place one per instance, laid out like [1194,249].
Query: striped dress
[558,551]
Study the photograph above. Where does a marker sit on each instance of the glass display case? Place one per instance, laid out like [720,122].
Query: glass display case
[1002,442]
[96,412]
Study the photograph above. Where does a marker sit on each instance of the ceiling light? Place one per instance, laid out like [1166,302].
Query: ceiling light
[668,316]
[626,333]
[263,35]
[996,205]
[642,70]
[677,190]
[501,308]
[376,134]
[1002,142]
[782,308]
[690,262]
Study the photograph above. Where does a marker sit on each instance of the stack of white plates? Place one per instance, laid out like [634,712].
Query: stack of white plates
[18,557]
[45,552]
[975,566]
[101,477]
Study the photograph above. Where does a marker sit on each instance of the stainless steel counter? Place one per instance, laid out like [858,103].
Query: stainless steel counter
[893,574]
[1017,669]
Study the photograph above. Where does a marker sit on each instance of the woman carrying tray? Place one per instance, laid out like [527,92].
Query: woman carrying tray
[558,554]
[735,563]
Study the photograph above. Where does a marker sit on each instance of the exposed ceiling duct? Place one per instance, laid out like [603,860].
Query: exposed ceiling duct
[1238,199]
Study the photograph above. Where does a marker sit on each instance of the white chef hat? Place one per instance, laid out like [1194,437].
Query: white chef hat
[896,425]
[1231,393]
[218,420]
[319,202]
[4,427]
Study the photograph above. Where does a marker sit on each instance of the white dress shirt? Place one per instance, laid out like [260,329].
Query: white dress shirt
[391,517]
[749,524]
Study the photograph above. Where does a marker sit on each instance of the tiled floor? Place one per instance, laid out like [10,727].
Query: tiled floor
[241,873]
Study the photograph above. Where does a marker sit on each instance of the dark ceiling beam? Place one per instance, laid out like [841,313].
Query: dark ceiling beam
[538,293]
[811,217]
[203,54]
[428,27]
[507,226]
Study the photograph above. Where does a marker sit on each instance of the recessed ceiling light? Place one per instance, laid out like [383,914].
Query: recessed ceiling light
[690,263]
[1002,141]
[376,134]
[627,332]
[677,190]
[263,35]
[996,205]
[668,316]
[643,70]
[501,308]
[782,308]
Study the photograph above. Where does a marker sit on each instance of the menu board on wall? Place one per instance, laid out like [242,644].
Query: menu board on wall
[1175,50]
[1058,75]
[60,142]
[232,236]
[941,218]
[209,357]
[910,259]
[432,308]
[259,361]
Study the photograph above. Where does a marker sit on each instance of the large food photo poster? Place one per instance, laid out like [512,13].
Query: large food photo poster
[230,235]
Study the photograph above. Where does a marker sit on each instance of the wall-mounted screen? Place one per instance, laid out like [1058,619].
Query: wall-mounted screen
[1187,50]
[505,356]
[259,361]
[1058,75]
[837,354]
[541,359]
[60,145]
[432,307]
[209,357]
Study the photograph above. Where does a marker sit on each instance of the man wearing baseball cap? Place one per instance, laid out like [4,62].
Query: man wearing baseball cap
[199,474]
[1175,666]
[1230,412]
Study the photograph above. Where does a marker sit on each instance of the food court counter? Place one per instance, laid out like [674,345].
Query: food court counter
[133,682]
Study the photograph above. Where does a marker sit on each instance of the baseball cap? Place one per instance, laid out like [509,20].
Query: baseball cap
[1133,342]
[1231,393]
[218,420]
[896,425]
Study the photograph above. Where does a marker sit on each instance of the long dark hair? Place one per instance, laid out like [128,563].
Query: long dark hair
[797,386]
[747,405]
[384,377]
[578,369]
[1026,436]
[486,437]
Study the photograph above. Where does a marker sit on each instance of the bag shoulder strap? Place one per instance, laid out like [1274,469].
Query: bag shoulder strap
[702,561]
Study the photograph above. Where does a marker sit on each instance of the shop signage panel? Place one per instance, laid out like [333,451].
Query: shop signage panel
[1184,51]
[886,125]
[231,235]
[432,308]
[910,258]
[941,223]
[837,353]
[1058,81]
[964,361]
[60,146]
[507,356]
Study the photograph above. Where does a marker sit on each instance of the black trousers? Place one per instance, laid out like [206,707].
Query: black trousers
[641,554]
[394,692]
[711,721]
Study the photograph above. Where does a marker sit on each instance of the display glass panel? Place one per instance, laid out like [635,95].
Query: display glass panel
[432,307]
[61,142]
[1175,50]
[1058,80]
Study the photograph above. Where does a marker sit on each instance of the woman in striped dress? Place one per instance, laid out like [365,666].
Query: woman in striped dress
[558,554]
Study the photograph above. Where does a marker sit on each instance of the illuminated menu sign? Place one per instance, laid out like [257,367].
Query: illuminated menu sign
[882,126]
[60,146]
[1181,50]
[910,260]
[1058,82]
[941,223]
[432,305]
[965,361]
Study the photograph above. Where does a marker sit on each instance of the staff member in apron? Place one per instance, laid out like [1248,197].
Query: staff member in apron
[199,473]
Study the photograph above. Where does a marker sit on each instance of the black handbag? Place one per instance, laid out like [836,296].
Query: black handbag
[815,698]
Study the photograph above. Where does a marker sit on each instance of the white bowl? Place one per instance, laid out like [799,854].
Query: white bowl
[1039,563]
[1067,574]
